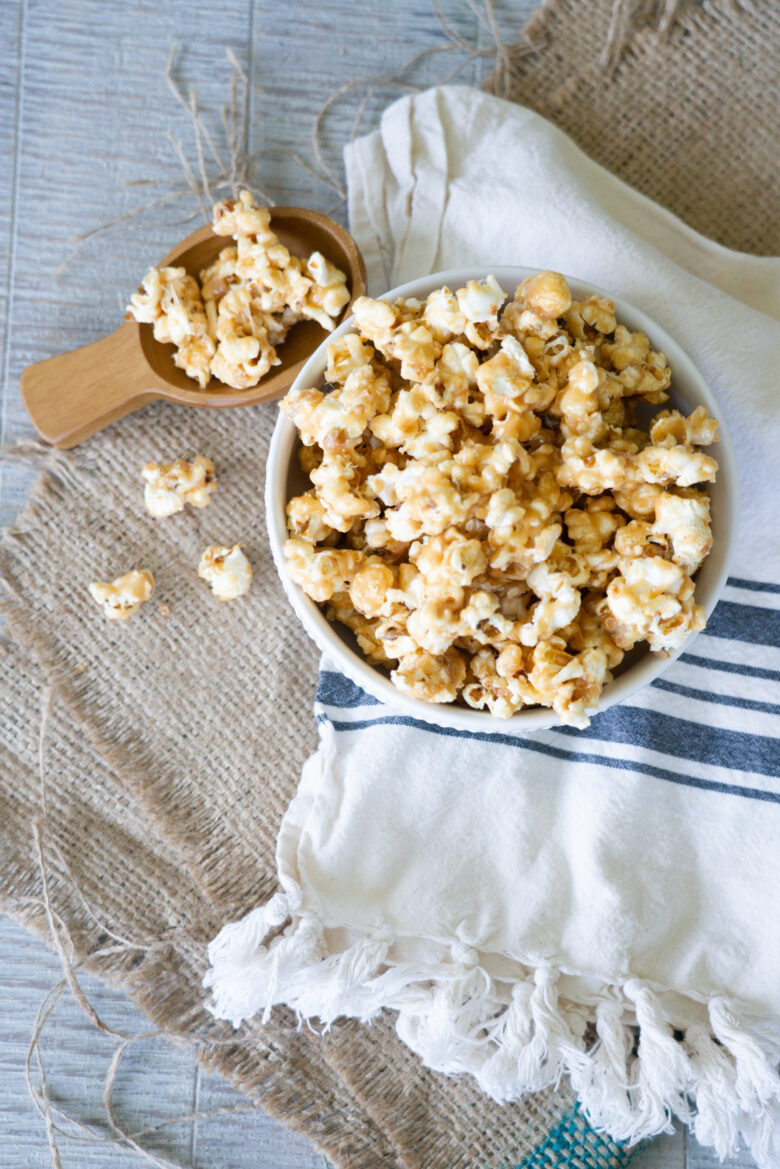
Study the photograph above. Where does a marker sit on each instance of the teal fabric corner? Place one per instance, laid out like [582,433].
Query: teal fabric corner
[573,1144]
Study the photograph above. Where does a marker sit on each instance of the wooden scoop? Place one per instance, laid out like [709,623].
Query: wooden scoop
[73,396]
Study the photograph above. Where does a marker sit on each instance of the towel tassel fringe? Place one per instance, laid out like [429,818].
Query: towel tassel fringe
[635,1073]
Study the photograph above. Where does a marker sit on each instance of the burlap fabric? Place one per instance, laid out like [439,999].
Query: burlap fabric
[176,739]
[195,720]
[109,871]
[684,112]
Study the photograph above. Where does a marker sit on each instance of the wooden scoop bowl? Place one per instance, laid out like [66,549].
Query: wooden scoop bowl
[70,398]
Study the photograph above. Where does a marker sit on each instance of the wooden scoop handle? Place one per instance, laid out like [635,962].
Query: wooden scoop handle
[73,396]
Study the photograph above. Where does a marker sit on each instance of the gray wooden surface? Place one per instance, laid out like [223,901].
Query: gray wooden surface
[84,114]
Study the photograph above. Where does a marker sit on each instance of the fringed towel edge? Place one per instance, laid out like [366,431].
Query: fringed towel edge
[635,1071]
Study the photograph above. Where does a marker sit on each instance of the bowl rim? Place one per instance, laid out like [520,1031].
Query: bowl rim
[446,715]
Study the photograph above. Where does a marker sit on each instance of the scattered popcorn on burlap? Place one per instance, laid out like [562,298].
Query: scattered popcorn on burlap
[227,570]
[169,486]
[125,595]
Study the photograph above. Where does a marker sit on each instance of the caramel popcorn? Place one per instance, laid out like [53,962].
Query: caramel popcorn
[168,487]
[486,515]
[125,595]
[229,325]
[227,570]
[170,300]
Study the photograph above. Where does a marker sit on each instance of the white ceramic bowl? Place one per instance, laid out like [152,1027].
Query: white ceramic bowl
[285,479]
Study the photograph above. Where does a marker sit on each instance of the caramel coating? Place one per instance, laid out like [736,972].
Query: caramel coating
[125,595]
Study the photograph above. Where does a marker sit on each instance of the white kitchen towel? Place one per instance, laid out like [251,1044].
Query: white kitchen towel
[524,903]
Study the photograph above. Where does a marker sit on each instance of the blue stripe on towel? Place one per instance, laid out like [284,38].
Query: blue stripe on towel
[338,690]
[745,623]
[699,742]
[560,753]
[731,667]
[758,586]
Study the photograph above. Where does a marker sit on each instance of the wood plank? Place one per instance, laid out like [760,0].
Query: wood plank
[155,1081]
[699,1158]
[298,65]
[665,1152]
[10,91]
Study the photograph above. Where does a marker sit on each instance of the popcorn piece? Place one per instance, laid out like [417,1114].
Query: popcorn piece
[670,428]
[244,353]
[344,497]
[499,683]
[579,402]
[448,559]
[432,677]
[278,287]
[599,313]
[591,316]
[479,302]
[589,470]
[651,601]
[328,294]
[195,357]
[415,348]
[590,528]
[442,315]
[227,570]
[369,588]
[169,299]
[642,371]
[170,485]
[558,605]
[547,295]
[435,624]
[320,573]
[124,596]
[375,320]
[345,356]
[675,464]
[570,684]
[220,276]
[242,219]
[507,380]
[306,517]
[686,520]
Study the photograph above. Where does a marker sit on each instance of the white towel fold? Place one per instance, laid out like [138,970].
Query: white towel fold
[501,892]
